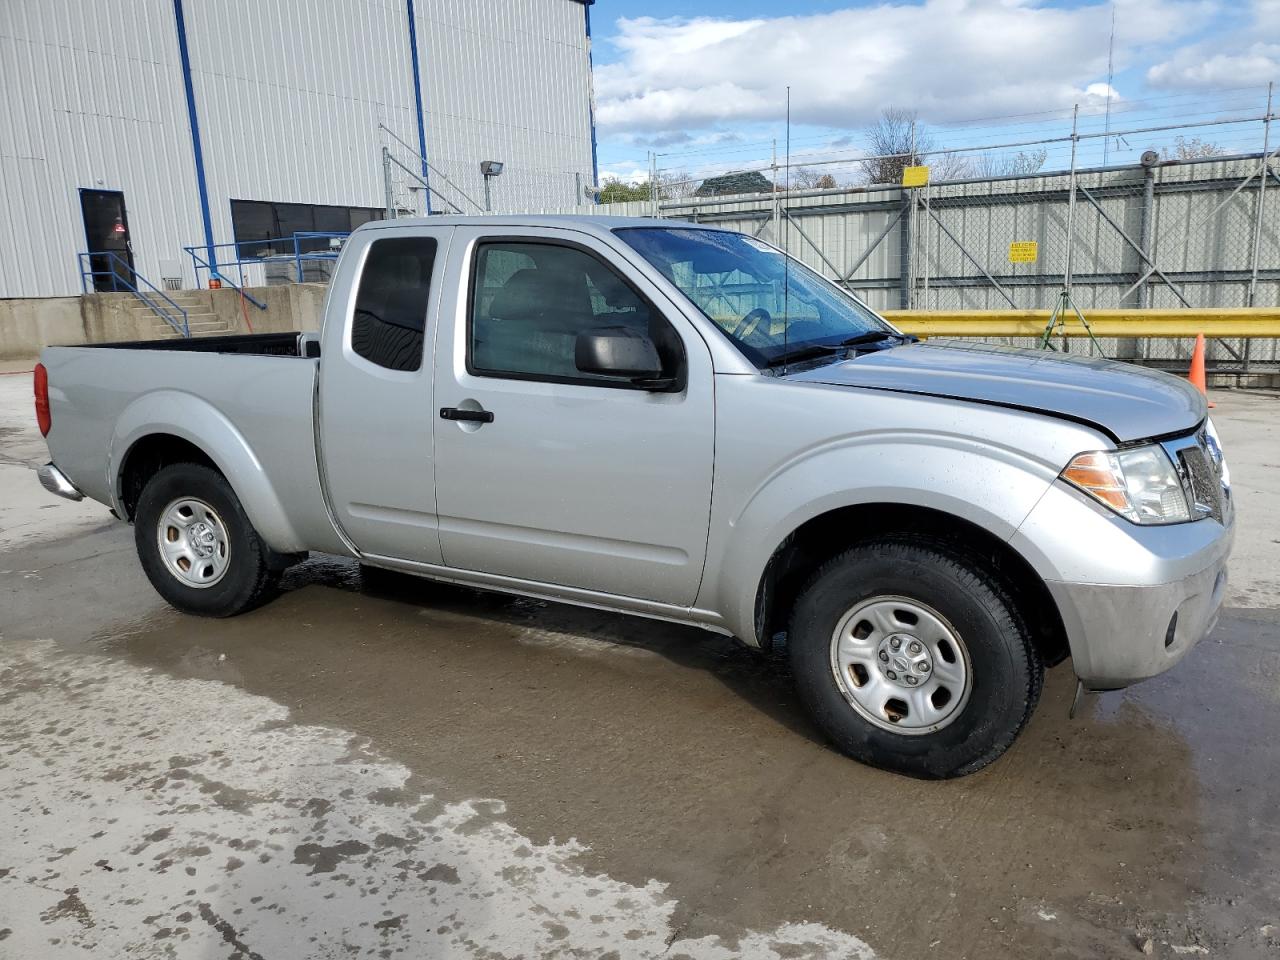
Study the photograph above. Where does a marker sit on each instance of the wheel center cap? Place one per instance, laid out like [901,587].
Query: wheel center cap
[904,660]
[202,539]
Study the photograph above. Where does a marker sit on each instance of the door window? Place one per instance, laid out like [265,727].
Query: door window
[391,302]
[530,300]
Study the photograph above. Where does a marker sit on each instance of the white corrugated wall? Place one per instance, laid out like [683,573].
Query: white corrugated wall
[92,99]
[289,97]
[507,81]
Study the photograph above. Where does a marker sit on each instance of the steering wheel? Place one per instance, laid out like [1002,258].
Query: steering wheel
[751,322]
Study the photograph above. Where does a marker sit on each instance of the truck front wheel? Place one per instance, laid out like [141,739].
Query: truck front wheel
[197,546]
[911,656]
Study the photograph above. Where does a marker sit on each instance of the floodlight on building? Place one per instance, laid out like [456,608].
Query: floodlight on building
[489,169]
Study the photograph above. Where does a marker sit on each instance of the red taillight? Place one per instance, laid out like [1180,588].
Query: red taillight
[42,399]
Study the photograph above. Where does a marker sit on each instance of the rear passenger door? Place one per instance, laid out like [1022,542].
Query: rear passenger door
[375,391]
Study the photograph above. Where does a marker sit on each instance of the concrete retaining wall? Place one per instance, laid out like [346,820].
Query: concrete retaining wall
[29,325]
[290,306]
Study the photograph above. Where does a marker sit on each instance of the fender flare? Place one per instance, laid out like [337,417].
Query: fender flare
[994,488]
[201,424]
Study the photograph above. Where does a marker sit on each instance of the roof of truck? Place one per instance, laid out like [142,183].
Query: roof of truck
[575,220]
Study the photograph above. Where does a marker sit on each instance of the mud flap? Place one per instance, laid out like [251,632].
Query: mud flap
[1078,701]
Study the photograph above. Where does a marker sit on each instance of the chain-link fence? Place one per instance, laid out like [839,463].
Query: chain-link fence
[1190,231]
[1196,233]
[457,184]
[1154,235]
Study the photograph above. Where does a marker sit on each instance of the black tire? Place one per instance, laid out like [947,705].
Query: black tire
[1007,673]
[252,574]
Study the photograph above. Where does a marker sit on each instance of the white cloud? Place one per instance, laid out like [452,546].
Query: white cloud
[1246,56]
[950,59]
[1195,67]
[1095,97]
[626,172]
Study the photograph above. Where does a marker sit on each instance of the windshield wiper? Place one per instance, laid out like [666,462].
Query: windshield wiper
[876,336]
[808,352]
[813,350]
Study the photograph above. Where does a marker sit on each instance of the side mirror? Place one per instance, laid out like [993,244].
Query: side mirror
[620,352]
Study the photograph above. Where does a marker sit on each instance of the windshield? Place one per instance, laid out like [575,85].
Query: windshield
[774,308]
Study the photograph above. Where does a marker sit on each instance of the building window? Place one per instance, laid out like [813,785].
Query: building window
[257,222]
[391,302]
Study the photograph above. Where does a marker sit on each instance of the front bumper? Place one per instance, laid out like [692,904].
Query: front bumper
[56,482]
[1120,635]
[1133,600]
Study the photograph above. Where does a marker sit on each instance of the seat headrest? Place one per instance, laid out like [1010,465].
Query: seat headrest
[546,297]
[405,307]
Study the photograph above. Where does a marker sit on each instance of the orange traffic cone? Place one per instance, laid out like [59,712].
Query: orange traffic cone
[1196,376]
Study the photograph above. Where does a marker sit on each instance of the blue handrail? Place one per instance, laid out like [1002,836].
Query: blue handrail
[268,250]
[201,263]
[119,279]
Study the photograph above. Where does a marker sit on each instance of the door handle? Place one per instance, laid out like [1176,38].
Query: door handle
[470,416]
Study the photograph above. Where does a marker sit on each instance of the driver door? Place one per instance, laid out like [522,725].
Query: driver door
[558,477]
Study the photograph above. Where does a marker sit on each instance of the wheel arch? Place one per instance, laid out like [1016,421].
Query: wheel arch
[171,427]
[821,537]
[147,457]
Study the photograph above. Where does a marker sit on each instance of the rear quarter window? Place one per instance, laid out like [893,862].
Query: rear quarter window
[391,302]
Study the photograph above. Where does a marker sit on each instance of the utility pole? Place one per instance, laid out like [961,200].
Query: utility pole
[653,184]
[1262,195]
[386,184]
[776,198]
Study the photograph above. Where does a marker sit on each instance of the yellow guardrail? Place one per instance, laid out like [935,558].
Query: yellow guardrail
[1214,322]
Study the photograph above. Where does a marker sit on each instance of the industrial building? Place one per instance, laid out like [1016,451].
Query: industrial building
[157,134]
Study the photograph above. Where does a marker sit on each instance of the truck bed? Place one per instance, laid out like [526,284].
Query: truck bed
[246,401]
[251,344]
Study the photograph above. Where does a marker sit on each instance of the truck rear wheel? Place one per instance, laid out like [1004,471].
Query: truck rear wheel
[197,546]
[911,656]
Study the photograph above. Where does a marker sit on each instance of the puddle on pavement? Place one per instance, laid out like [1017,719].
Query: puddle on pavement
[675,753]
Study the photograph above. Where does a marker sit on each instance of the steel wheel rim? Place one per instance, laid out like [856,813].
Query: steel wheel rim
[901,665]
[194,542]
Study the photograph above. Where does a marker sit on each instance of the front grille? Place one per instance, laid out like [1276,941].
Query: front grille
[1203,480]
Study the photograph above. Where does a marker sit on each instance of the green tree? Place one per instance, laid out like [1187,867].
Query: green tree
[614,190]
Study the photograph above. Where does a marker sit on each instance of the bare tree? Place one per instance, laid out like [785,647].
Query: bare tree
[1190,148]
[899,140]
[896,141]
[804,178]
[1022,163]
[676,184]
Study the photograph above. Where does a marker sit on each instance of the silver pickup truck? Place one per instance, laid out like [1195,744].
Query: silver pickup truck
[679,422]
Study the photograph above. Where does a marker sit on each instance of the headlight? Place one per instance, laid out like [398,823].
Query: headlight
[1139,483]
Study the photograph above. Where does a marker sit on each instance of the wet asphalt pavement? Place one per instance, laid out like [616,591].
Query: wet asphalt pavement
[420,770]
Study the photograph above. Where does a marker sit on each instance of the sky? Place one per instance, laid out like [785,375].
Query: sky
[702,83]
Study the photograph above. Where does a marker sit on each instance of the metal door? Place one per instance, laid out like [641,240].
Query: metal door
[586,486]
[106,232]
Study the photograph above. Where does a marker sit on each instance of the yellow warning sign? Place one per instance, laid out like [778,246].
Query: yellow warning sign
[915,176]
[1024,251]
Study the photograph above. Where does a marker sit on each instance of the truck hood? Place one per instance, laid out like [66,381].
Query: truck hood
[1126,402]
